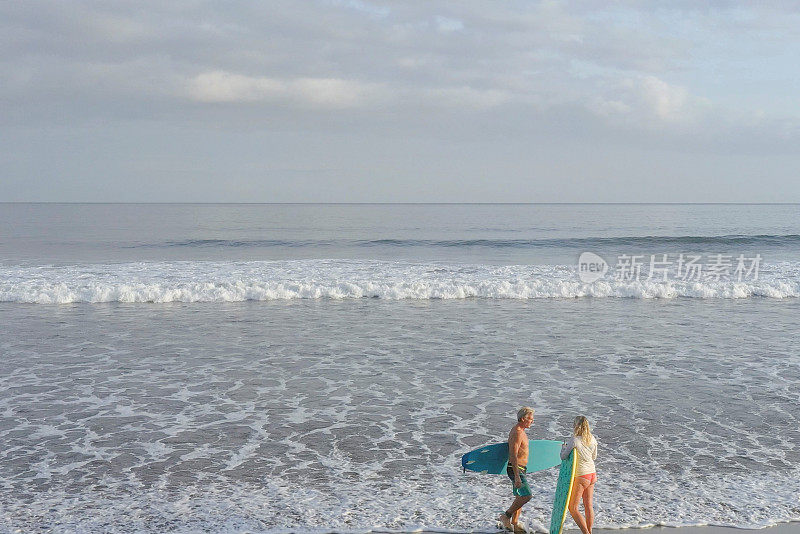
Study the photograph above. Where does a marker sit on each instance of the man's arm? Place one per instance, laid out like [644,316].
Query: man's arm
[514,442]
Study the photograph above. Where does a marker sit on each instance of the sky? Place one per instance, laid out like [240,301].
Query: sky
[401,101]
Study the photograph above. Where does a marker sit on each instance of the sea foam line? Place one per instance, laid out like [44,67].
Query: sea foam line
[161,282]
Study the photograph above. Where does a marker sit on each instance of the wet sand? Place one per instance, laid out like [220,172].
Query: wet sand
[784,528]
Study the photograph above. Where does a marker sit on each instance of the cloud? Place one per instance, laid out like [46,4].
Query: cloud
[463,97]
[387,88]
[117,29]
[625,63]
[649,100]
[360,6]
[667,102]
[448,25]
[221,86]
[333,93]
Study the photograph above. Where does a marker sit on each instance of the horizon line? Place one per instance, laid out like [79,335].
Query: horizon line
[410,203]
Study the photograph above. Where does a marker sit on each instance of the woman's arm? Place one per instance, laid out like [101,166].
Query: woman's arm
[567,447]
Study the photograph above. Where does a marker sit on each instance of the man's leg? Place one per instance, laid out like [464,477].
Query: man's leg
[510,516]
[515,515]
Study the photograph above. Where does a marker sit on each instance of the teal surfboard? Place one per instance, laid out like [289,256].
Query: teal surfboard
[566,479]
[493,459]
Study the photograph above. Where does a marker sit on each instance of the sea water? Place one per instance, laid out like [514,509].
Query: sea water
[318,368]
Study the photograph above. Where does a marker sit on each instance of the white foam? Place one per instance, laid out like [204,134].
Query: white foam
[309,418]
[449,502]
[164,282]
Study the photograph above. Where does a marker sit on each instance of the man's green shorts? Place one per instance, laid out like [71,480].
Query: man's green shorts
[524,490]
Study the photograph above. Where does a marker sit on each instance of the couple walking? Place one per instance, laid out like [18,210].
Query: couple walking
[586,476]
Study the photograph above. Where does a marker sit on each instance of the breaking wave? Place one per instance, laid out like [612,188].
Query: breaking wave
[161,282]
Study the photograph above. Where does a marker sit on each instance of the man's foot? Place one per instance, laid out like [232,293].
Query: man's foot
[505,522]
[519,529]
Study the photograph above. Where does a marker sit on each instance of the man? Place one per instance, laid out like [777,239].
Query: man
[517,463]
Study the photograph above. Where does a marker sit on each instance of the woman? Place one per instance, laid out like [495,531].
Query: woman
[586,475]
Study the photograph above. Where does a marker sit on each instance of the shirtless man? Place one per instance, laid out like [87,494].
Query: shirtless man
[517,462]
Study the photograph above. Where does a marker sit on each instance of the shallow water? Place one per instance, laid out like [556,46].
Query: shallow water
[349,415]
[273,368]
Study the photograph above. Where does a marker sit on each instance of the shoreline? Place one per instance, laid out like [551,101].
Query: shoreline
[782,528]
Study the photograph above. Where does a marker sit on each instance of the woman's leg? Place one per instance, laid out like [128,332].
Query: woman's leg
[588,510]
[577,491]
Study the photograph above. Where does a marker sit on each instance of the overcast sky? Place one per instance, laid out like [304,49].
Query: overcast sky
[412,101]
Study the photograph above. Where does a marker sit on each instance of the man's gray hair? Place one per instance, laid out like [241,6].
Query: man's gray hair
[524,411]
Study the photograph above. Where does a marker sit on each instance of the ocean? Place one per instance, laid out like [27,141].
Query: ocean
[322,368]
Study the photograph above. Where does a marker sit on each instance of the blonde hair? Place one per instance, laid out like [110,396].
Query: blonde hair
[581,427]
[525,410]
